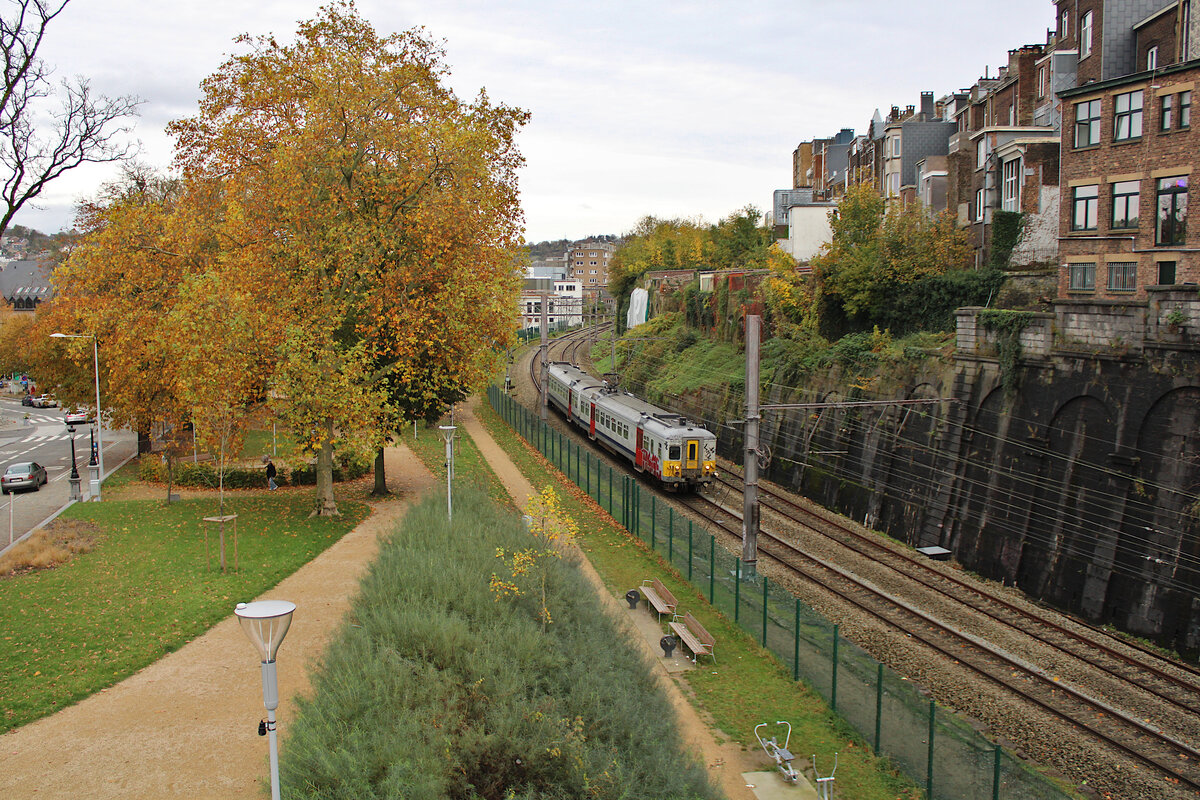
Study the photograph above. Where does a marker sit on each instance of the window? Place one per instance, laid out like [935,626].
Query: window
[1086,205]
[1171,223]
[1125,195]
[1012,114]
[1152,58]
[1011,198]
[895,147]
[1166,273]
[1064,27]
[1122,276]
[979,205]
[1185,109]
[1085,35]
[1087,123]
[1082,277]
[1043,76]
[1127,116]
[1166,112]
[980,152]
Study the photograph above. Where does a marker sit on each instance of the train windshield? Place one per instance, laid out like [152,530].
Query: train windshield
[673,452]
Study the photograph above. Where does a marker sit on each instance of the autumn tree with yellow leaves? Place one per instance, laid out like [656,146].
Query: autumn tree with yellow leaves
[553,531]
[356,218]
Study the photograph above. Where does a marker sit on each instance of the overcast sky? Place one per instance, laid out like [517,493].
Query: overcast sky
[675,108]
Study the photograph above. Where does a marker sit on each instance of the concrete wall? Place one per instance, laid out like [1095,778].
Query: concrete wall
[808,229]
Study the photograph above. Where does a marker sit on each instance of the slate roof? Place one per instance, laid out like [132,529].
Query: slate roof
[22,280]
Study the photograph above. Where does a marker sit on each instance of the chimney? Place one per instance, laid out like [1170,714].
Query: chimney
[909,110]
[892,117]
[927,105]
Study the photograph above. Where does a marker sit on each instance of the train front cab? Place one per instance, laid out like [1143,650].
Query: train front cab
[687,465]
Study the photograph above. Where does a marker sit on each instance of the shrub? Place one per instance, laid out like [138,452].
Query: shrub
[440,690]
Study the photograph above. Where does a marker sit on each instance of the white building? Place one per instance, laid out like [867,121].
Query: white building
[564,304]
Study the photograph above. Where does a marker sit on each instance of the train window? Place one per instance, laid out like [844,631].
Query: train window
[673,452]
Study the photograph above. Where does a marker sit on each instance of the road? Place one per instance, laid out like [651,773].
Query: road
[43,437]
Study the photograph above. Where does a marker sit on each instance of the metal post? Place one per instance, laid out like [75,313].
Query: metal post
[99,472]
[653,519]
[73,479]
[545,349]
[796,645]
[764,636]
[878,708]
[671,546]
[996,774]
[12,500]
[689,551]
[737,591]
[271,695]
[712,565]
[833,687]
[929,768]
[750,509]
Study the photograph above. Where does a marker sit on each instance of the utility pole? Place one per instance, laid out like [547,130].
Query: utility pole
[544,351]
[750,508]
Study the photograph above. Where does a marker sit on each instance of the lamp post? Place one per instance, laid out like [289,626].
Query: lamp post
[266,622]
[74,477]
[448,435]
[97,464]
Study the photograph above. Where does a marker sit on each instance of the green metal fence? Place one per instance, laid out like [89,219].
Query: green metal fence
[935,748]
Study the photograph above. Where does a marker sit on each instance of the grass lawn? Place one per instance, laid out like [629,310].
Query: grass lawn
[144,590]
[749,685]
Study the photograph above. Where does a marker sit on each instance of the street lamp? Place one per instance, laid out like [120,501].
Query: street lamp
[448,435]
[266,622]
[97,466]
[73,480]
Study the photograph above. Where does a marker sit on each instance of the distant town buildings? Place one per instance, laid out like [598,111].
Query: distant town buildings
[1082,145]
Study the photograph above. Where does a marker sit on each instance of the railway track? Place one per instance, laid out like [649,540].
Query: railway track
[565,348]
[1172,692]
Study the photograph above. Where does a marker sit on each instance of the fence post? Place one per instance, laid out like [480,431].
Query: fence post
[878,707]
[689,551]
[712,565]
[653,518]
[929,768]
[610,492]
[737,590]
[764,638]
[588,465]
[833,687]
[996,775]
[671,547]
[796,645]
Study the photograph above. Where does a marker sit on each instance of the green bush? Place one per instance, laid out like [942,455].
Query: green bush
[347,467]
[437,690]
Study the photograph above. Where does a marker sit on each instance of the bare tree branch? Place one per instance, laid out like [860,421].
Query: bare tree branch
[85,129]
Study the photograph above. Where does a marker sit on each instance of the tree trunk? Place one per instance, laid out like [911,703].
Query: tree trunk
[380,489]
[325,505]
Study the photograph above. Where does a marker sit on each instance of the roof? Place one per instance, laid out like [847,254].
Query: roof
[22,279]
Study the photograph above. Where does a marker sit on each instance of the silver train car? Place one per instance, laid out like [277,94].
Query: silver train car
[680,455]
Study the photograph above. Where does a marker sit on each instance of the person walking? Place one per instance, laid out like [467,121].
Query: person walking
[271,475]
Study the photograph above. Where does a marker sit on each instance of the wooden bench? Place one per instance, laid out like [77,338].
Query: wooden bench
[694,636]
[659,597]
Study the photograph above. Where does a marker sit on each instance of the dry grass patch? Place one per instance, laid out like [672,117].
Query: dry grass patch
[49,547]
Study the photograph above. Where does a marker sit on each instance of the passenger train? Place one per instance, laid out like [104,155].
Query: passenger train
[680,455]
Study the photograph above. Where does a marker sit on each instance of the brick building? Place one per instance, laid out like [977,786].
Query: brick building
[1126,177]
[587,262]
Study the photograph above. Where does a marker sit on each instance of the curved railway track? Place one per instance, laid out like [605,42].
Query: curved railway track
[565,348]
[1166,752]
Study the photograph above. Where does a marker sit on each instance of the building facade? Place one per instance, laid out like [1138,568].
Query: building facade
[1126,183]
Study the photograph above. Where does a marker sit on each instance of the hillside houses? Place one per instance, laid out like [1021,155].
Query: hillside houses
[1081,146]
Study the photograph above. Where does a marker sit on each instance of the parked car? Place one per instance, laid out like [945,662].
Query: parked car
[78,417]
[27,400]
[23,475]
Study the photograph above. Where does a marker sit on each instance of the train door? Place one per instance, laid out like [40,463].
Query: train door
[639,462]
[592,422]
[693,454]
[570,404]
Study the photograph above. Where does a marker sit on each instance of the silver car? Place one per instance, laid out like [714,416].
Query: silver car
[23,475]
